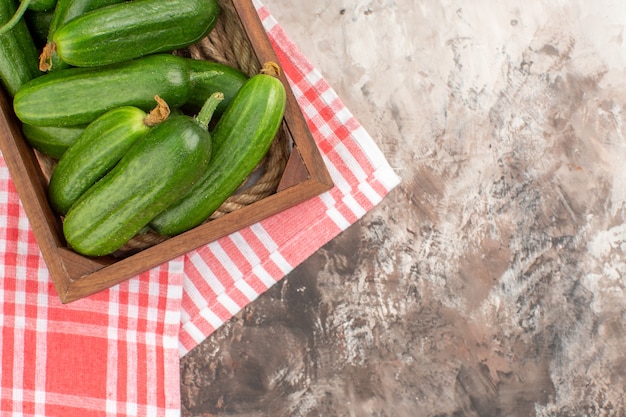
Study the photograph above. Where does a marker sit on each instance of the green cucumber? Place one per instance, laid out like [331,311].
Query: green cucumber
[102,144]
[51,140]
[65,11]
[18,54]
[54,141]
[40,5]
[129,30]
[78,95]
[228,81]
[241,138]
[155,172]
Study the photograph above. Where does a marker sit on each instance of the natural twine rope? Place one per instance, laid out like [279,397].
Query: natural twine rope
[227,43]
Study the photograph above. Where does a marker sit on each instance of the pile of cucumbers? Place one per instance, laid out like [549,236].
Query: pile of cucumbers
[145,139]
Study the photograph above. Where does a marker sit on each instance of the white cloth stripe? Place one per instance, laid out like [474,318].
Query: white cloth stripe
[112,354]
[338,218]
[344,115]
[172,413]
[18,334]
[151,362]
[354,206]
[228,303]
[338,179]
[246,290]
[85,330]
[328,200]
[211,318]
[325,131]
[170,336]
[268,22]
[184,314]
[23,229]
[225,260]
[131,347]
[208,274]
[196,297]
[264,237]
[349,160]
[328,96]
[387,177]
[313,77]
[174,292]
[264,276]
[245,248]
[170,342]
[2,370]
[131,403]
[41,343]
[55,398]
[192,330]
[3,251]
[150,342]
[133,299]
[153,290]
[311,112]
[370,193]
[370,149]
[281,262]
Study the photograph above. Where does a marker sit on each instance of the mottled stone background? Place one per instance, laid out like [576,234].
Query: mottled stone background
[492,281]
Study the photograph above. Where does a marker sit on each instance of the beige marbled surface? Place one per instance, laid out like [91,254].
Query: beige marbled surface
[492,281]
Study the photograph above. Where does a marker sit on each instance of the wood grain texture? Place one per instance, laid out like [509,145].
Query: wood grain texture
[491,282]
[76,276]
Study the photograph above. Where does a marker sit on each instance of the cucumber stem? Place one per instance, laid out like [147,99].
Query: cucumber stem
[158,114]
[208,108]
[16,17]
[270,68]
[45,58]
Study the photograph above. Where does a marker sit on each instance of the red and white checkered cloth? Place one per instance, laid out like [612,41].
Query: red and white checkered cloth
[117,353]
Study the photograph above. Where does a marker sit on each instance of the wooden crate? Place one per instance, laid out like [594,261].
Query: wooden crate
[76,276]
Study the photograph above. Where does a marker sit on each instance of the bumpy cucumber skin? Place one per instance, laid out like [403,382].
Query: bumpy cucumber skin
[51,140]
[241,138]
[208,77]
[102,144]
[18,53]
[159,169]
[79,95]
[133,29]
[65,11]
